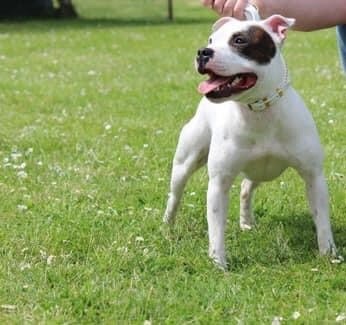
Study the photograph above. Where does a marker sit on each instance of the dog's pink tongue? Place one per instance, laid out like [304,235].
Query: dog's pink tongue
[209,85]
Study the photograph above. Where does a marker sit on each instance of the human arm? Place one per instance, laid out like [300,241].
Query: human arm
[309,14]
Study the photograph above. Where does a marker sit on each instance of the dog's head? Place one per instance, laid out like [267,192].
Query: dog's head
[240,56]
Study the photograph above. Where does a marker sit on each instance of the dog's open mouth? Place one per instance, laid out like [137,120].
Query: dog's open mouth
[220,87]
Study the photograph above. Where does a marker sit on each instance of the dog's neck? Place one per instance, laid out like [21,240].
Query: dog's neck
[277,86]
[277,92]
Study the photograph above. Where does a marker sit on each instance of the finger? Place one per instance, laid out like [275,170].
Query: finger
[238,11]
[228,8]
[207,3]
[219,5]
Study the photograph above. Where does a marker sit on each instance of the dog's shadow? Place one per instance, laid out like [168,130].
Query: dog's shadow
[280,240]
[285,239]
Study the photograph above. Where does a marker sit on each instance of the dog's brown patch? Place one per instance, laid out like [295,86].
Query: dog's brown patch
[254,44]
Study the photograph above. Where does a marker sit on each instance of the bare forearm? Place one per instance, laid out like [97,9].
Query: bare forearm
[309,14]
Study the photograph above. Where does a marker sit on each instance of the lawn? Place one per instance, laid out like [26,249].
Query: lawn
[90,114]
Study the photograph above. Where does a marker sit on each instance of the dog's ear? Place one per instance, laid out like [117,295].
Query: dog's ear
[220,22]
[279,25]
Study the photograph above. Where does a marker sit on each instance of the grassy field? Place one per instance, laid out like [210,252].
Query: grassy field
[90,114]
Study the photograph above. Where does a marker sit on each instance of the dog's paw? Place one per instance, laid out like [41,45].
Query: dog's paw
[219,261]
[247,222]
[337,259]
[221,265]
[328,248]
[167,231]
[168,219]
[245,226]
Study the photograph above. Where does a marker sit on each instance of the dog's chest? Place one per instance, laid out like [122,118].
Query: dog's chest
[260,132]
[258,139]
[263,158]
[264,167]
[260,159]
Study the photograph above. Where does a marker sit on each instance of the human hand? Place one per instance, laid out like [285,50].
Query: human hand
[232,8]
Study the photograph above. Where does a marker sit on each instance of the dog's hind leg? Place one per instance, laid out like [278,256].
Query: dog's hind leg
[191,154]
[317,194]
[247,219]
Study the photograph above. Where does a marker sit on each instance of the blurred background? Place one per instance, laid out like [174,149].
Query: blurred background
[120,9]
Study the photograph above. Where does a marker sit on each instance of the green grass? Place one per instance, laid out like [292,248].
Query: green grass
[90,114]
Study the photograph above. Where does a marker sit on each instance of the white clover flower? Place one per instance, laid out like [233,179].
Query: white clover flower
[15,155]
[50,259]
[29,151]
[282,184]
[9,307]
[22,208]
[277,320]
[22,165]
[24,266]
[296,315]
[22,174]
[340,317]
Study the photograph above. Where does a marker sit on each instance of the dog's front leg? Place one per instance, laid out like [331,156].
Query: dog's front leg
[217,207]
[191,154]
[223,167]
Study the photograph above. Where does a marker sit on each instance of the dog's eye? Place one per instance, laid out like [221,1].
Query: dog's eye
[210,40]
[239,40]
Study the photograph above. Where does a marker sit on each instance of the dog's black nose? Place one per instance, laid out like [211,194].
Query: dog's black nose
[205,53]
[203,56]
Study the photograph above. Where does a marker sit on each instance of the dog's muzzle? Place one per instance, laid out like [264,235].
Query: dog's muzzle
[203,56]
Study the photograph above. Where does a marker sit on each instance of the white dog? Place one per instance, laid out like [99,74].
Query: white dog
[250,121]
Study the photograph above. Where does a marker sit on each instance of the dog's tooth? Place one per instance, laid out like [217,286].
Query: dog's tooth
[236,81]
